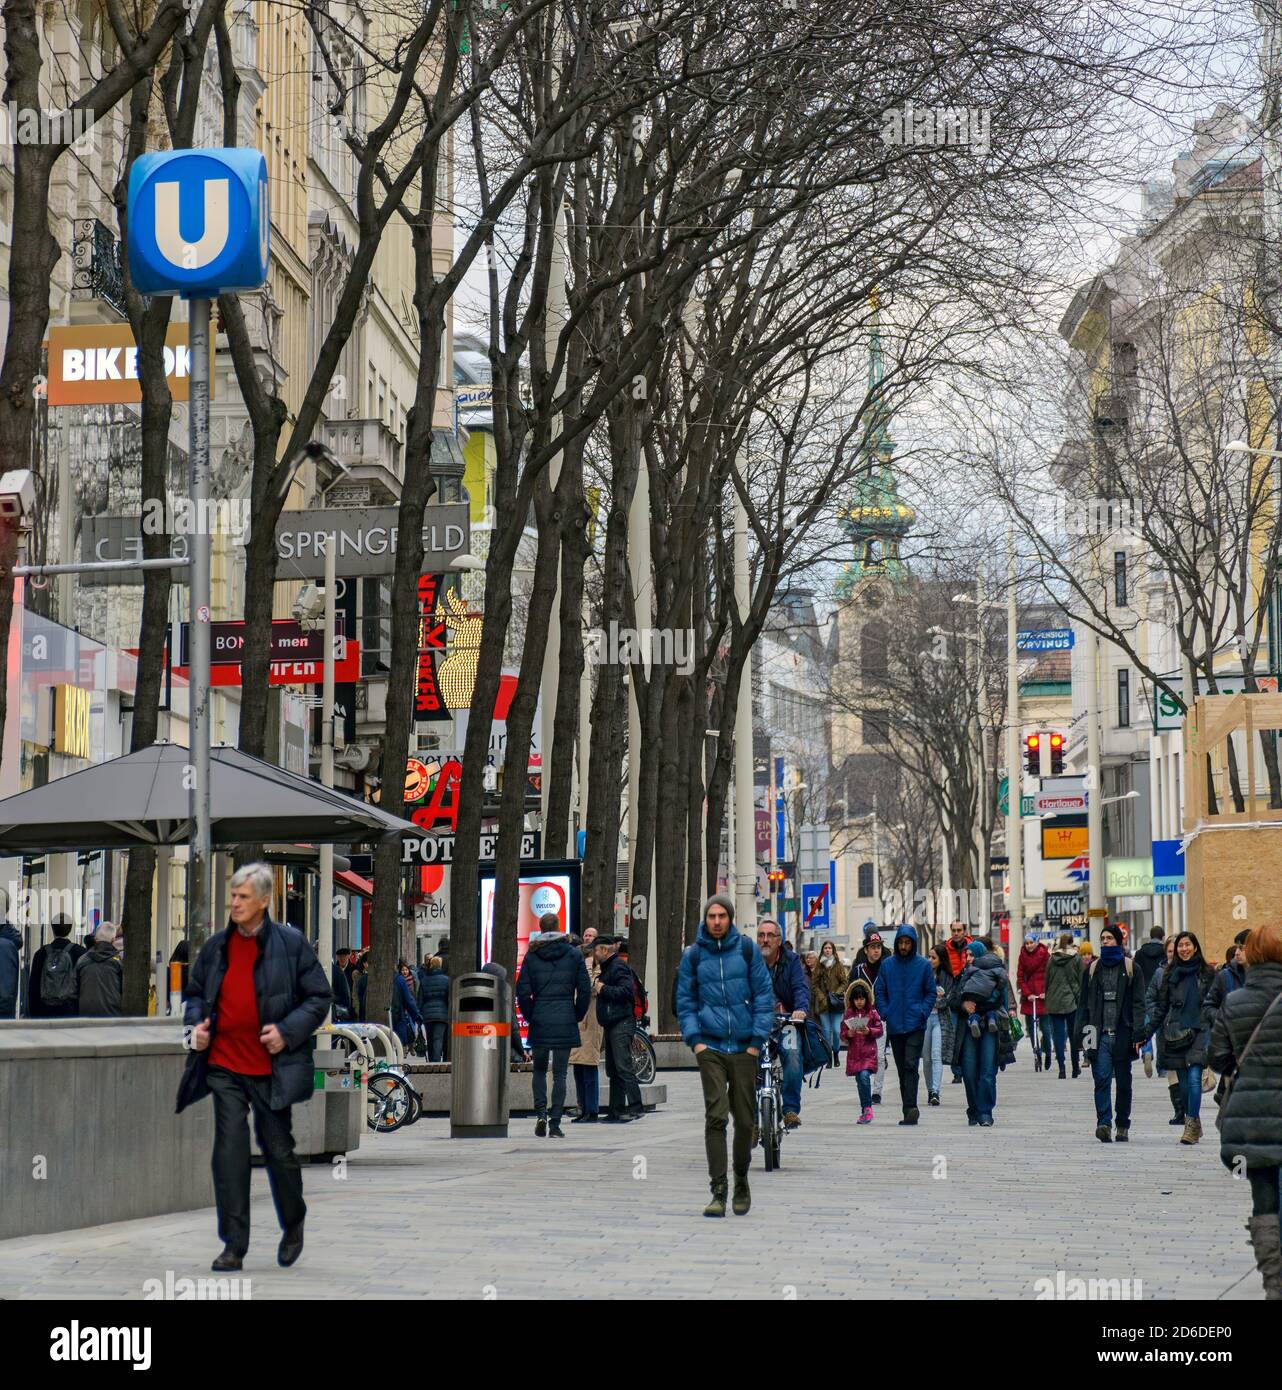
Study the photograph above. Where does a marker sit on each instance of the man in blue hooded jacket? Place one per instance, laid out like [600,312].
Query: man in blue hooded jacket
[792,999]
[905,997]
[725,1008]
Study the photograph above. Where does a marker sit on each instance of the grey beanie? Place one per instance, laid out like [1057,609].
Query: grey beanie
[718,900]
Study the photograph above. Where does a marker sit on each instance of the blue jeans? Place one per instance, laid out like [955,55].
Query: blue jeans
[830,1024]
[979,1072]
[1112,1063]
[790,1054]
[587,1088]
[863,1079]
[1060,1028]
[1190,1079]
[932,1054]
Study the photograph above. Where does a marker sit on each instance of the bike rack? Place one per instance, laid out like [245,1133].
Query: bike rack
[365,1035]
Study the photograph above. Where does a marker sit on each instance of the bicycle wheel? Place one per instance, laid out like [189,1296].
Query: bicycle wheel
[769,1133]
[389,1102]
[644,1063]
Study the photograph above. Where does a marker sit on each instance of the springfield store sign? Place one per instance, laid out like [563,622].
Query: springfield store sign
[98,365]
[365,539]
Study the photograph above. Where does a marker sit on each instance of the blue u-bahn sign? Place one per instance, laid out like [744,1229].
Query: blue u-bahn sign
[199,222]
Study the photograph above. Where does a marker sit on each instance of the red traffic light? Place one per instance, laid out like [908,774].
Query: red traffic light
[1057,741]
[1033,753]
[1057,754]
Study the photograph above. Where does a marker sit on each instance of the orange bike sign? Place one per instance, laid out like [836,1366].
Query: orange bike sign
[97,364]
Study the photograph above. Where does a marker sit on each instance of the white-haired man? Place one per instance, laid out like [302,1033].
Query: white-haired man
[255,998]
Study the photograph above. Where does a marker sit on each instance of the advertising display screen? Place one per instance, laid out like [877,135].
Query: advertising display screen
[545,886]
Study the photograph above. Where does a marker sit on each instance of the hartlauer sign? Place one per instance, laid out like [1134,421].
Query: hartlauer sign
[98,365]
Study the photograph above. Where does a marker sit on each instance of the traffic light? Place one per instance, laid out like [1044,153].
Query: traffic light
[1057,754]
[776,877]
[1033,754]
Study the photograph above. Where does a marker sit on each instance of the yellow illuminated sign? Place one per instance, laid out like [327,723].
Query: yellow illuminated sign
[71,721]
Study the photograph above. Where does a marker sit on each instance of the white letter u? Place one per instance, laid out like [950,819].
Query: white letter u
[192,255]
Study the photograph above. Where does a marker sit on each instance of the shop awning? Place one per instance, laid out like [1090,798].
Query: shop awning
[143,799]
[354,883]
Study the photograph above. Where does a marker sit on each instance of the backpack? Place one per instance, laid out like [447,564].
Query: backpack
[57,976]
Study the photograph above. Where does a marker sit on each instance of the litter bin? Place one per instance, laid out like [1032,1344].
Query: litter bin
[480,1035]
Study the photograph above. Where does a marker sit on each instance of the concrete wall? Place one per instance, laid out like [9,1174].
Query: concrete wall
[94,1099]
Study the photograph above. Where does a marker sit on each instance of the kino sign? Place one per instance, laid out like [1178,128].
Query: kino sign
[365,539]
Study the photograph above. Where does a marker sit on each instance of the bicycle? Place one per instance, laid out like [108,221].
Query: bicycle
[645,1065]
[770,1126]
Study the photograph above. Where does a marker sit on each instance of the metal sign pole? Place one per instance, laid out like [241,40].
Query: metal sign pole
[200,867]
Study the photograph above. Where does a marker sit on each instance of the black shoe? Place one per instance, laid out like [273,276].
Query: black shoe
[229,1259]
[636,1111]
[616,1119]
[1178,1120]
[290,1247]
[556,1132]
[1077,1071]
[1122,1134]
[541,1128]
[584,1120]
[1104,1134]
[1063,1075]
[933,1098]
[969,1121]
[911,1116]
[876,1100]
[959,1080]
[985,1124]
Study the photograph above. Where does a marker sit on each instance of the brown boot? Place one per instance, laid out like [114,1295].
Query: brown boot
[1191,1132]
[1197,1129]
[1266,1241]
[742,1202]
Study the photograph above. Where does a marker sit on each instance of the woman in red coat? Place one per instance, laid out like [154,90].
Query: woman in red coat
[1030,980]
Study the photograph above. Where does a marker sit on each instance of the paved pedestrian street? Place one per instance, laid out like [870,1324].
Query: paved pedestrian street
[943,1210]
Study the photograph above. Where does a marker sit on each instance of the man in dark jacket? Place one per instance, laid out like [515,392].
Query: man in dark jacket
[51,990]
[614,992]
[1110,1018]
[340,985]
[1147,959]
[10,961]
[726,1010]
[99,976]
[554,992]
[905,997]
[255,998]
[792,997]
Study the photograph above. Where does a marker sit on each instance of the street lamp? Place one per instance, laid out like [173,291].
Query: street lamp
[1240,446]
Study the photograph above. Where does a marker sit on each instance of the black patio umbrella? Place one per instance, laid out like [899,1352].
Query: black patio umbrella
[143,799]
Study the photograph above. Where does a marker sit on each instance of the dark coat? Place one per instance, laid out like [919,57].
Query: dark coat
[986,982]
[1184,996]
[99,977]
[1130,1007]
[615,1001]
[341,988]
[1252,1115]
[36,1007]
[10,954]
[1227,979]
[1063,982]
[434,994]
[792,988]
[553,990]
[289,985]
[1148,958]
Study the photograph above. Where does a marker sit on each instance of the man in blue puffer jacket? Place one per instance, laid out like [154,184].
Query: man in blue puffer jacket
[725,1009]
[905,997]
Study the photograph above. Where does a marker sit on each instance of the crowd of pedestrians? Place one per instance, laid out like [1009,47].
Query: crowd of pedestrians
[67,978]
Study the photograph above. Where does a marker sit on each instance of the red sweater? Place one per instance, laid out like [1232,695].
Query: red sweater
[235,1044]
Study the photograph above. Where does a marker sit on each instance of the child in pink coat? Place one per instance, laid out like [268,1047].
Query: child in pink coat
[860,1029]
